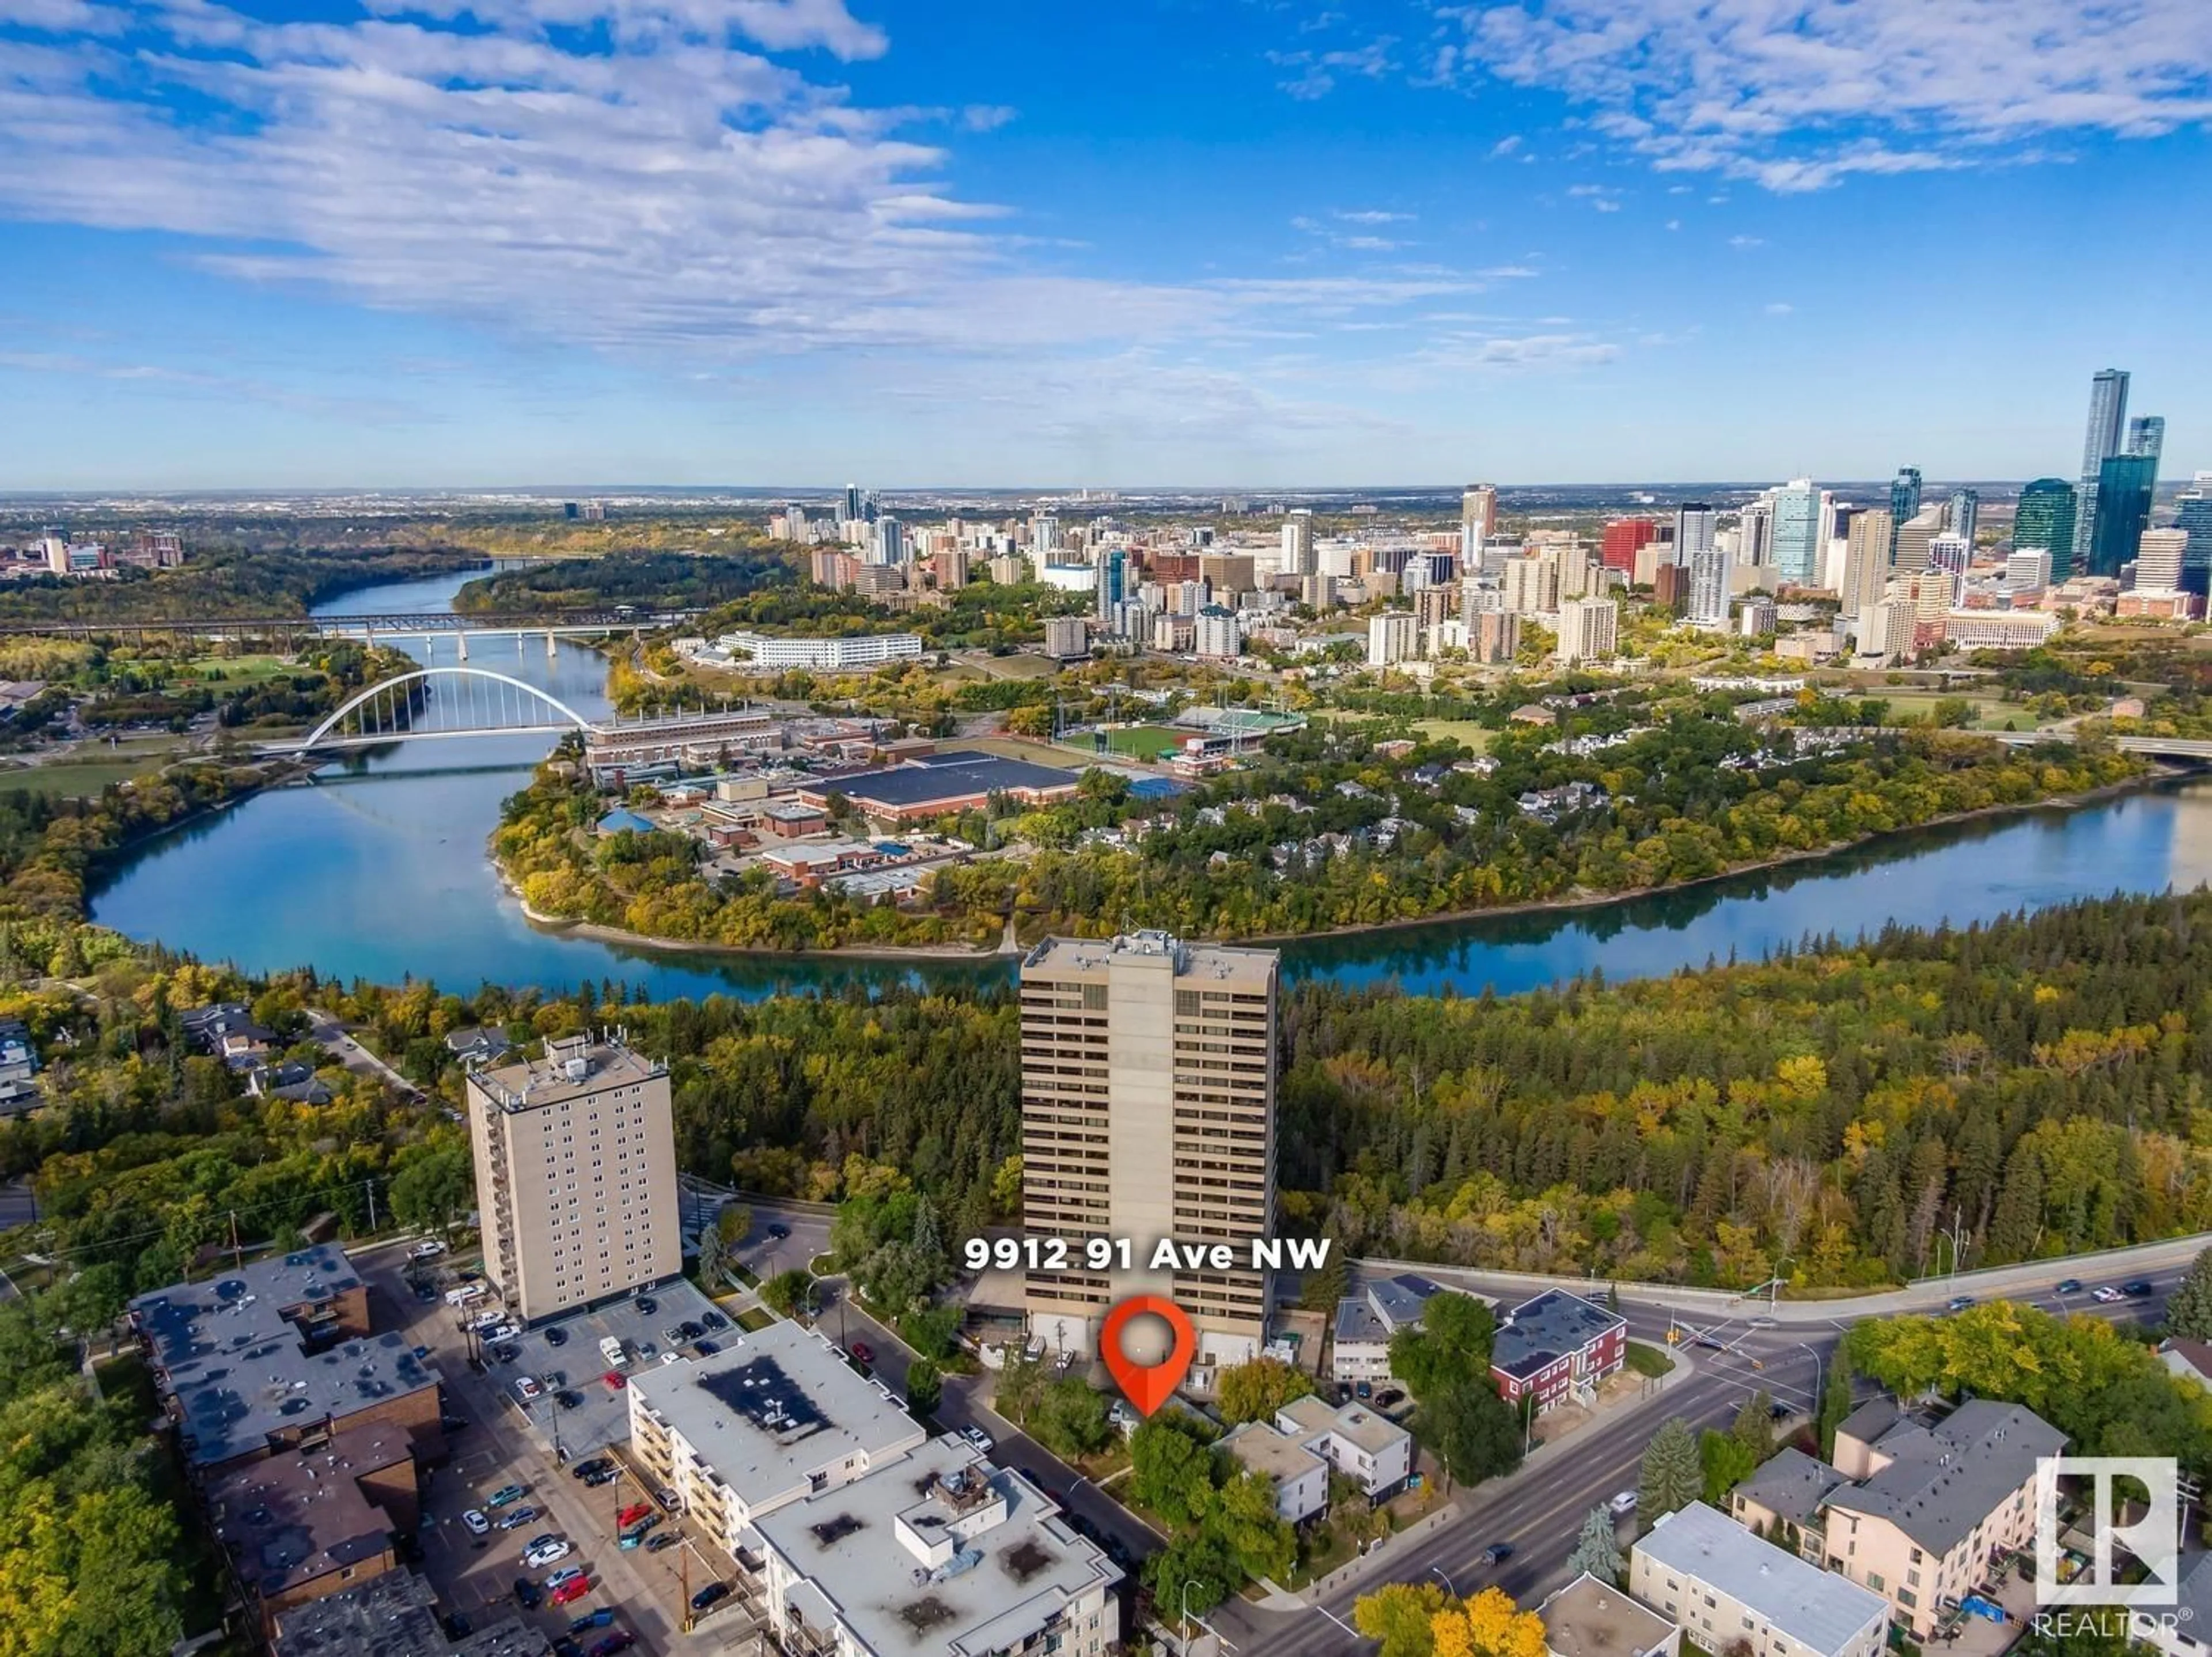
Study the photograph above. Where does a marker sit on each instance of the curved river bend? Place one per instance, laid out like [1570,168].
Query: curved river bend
[378,870]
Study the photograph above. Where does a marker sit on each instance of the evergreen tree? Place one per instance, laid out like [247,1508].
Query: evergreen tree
[2190,1311]
[1673,1474]
[1835,1397]
[1597,1549]
[1754,1428]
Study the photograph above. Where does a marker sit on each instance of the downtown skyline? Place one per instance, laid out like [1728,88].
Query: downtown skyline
[789,242]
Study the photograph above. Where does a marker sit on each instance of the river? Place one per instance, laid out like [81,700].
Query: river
[378,869]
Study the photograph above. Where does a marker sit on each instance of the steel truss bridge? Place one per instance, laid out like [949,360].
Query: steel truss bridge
[553,624]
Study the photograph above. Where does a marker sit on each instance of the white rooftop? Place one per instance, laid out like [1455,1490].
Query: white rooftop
[1816,1608]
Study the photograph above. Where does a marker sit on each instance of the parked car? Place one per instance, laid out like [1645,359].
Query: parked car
[548,1553]
[674,1334]
[778,1230]
[864,1352]
[603,1617]
[647,1306]
[603,1476]
[2067,1286]
[519,1518]
[711,1594]
[457,1626]
[614,1381]
[556,1337]
[714,1321]
[426,1251]
[620,1640]
[527,1593]
[1622,1503]
[665,1540]
[706,1349]
[526,1388]
[568,1399]
[586,1469]
[1497,1553]
[507,1494]
[978,1437]
[477,1523]
[2137,1290]
[500,1331]
[453,1424]
[566,1575]
[691,1331]
[572,1590]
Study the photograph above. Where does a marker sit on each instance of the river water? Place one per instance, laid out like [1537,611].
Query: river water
[378,869]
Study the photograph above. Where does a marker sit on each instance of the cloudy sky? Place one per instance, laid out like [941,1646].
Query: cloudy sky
[314,242]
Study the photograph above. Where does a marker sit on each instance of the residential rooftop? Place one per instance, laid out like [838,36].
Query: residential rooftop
[1275,1455]
[1539,1332]
[1945,1477]
[1401,1299]
[573,1067]
[1255,968]
[1818,1609]
[1791,1485]
[1590,1619]
[773,1406]
[240,1370]
[395,1614]
[288,1519]
[941,1553]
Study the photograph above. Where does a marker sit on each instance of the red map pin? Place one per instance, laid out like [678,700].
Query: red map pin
[1148,1386]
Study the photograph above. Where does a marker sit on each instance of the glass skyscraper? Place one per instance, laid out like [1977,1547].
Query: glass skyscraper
[2108,425]
[1903,503]
[2046,522]
[1795,533]
[2124,483]
[1965,511]
[2195,516]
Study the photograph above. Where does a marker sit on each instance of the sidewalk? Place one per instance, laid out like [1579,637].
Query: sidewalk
[1536,1465]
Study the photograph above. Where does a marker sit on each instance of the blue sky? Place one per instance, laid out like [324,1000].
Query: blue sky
[800,242]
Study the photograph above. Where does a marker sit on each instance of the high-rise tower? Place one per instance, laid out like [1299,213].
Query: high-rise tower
[2108,423]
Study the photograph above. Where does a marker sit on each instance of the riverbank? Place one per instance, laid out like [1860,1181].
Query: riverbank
[1010,945]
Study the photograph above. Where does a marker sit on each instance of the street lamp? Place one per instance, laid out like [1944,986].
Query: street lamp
[1774,1288]
[1449,1586]
[1816,1351]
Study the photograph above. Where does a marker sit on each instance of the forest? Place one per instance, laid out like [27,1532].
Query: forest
[226,578]
[649,581]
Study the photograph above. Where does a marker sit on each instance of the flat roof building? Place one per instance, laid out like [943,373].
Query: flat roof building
[941,1553]
[1590,1619]
[1723,1584]
[575,1165]
[1558,1346]
[1148,1113]
[939,785]
[774,1416]
[276,1356]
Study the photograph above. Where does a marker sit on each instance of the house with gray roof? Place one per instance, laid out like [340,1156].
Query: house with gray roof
[1360,1348]
[1921,1507]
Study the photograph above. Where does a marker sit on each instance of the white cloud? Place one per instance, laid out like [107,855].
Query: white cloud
[1796,97]
[1740,243]
[1780,308]
[1373,215]
[1505,146]
[1318,71]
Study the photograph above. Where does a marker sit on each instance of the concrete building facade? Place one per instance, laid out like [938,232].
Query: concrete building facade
[1148,1113]
[575,1163]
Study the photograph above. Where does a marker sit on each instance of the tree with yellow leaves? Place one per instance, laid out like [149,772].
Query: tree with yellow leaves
[1488,1625]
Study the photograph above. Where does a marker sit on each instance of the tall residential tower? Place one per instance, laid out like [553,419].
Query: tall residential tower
[2108,424]
[1148,1113]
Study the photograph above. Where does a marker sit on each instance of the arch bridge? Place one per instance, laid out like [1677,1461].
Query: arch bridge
[439,703]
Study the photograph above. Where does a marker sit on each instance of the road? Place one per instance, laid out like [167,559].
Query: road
[330,1033]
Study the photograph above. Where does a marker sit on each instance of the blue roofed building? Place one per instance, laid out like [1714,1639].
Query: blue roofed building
[942,785]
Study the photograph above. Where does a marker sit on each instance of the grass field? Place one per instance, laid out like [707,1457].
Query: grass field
[1476,737]
[95,767]
[249,669]
[1144,742]
[1990,713]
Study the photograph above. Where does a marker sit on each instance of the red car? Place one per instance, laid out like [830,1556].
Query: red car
[614,1381]
[572,1590]
[631,1515]
[863,1351]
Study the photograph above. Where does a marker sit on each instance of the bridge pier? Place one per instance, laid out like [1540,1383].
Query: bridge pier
[551,649]
[461,642]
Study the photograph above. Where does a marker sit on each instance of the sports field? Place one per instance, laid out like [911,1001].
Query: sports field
[1144,742]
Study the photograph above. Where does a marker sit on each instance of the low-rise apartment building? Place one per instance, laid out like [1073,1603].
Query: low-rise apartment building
[1914,1508]
[1373,1451]
[1728,1590]
[1590,1619]
[1300,1477]
[1360,1348]
[1558,1347]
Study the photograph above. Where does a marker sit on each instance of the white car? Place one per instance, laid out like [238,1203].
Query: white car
[2107,1294]
[566,1573]
[426,1251]
[527,1388]
[547,1553]
[1622,1503]
[477,1523]
[978,1438]
[502,1331]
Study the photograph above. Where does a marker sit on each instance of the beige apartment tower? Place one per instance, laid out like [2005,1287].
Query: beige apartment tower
[576,1155]
[1148,1112]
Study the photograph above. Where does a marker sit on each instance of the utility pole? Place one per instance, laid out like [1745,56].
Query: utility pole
[369,1186]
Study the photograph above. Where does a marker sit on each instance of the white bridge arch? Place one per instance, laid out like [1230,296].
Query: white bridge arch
[526,694]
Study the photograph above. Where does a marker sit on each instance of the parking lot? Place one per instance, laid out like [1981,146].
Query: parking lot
[502,1444]
[564,1357]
